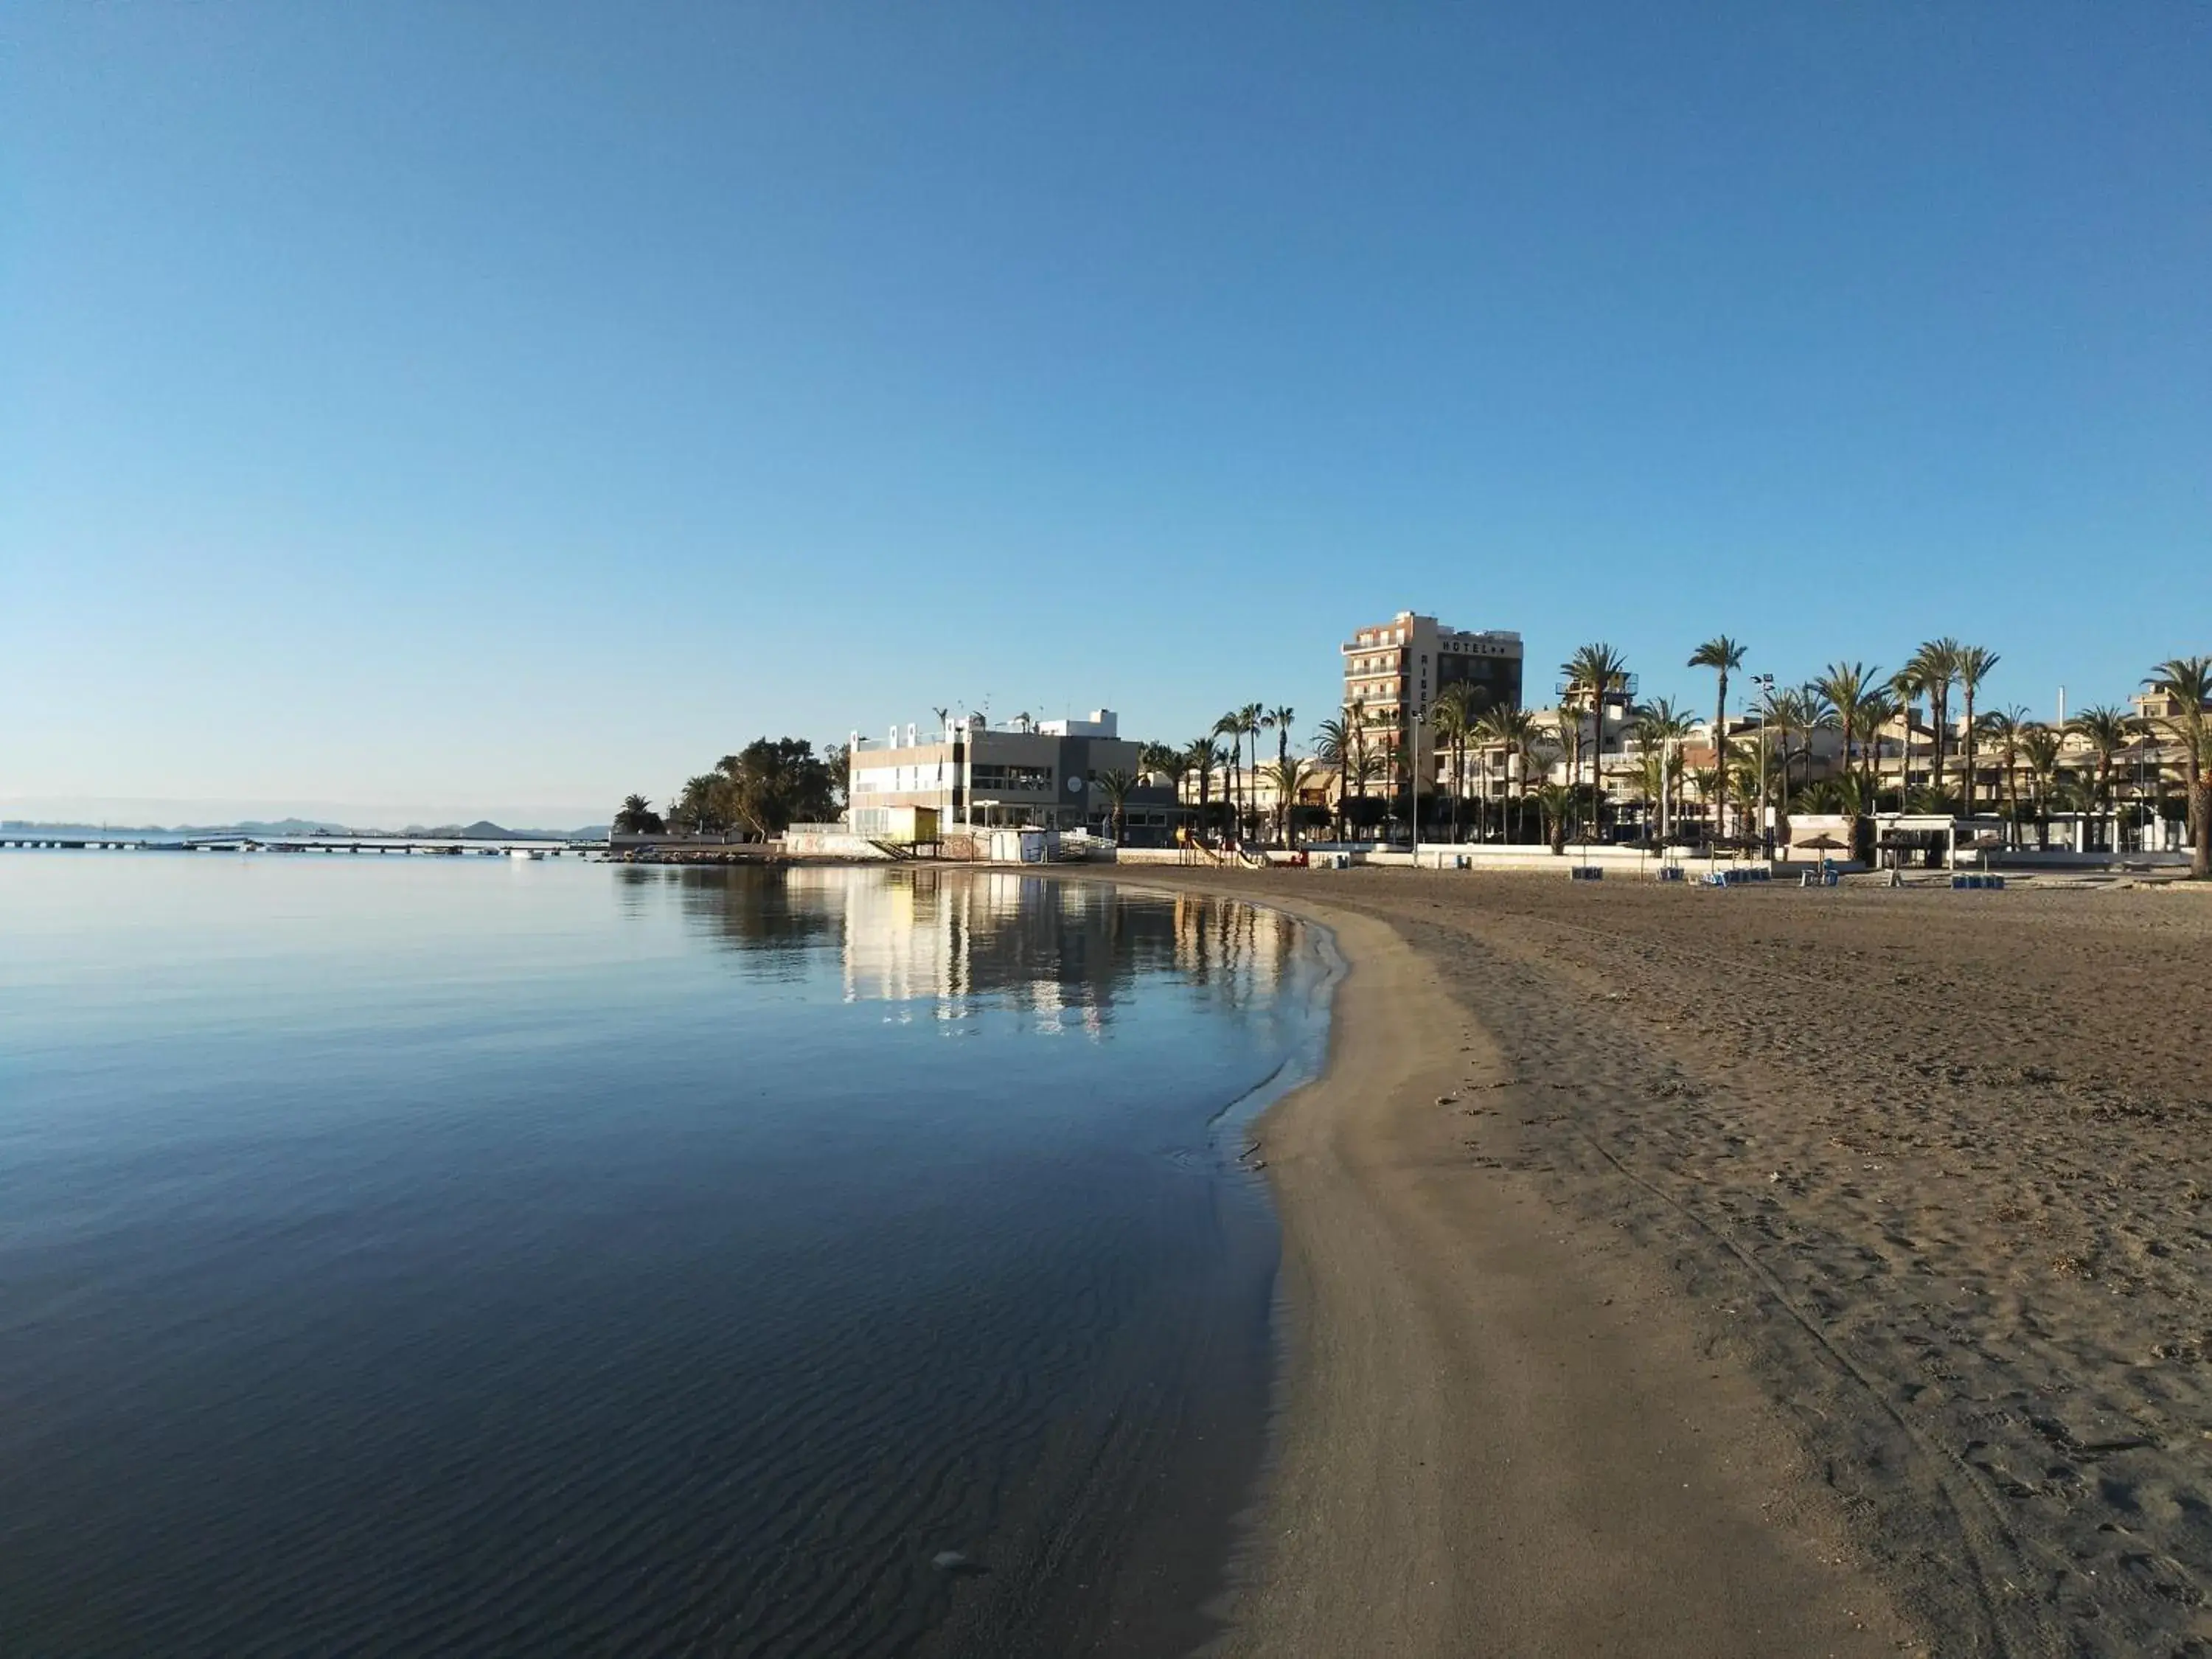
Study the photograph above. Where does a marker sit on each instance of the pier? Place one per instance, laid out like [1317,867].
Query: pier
[381,845]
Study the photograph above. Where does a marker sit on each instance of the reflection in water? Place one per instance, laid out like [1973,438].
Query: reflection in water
[956,938]
[588,1259]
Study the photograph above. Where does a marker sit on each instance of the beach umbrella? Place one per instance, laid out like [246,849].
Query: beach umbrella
[1824,842]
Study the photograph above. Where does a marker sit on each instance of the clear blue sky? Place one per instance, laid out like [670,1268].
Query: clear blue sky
[495,408]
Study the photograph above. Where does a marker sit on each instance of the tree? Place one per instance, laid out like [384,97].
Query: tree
[1659,731]
[1453,714]
[1116,785]
[2003,727]
[774,782]
[1851,689]
[1803,710]
[1723,656]
[1509,731]
[1973,665]
[1289,777]
[704,805]
[1202,757]
[1598,671]
[2187,682]
[2039,746]
[1929,673]
[2106,730]
[637,818]
[1282,718]
[1343,744]
[1555,801]
[1249,719]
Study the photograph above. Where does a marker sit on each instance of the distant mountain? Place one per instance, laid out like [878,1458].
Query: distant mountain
[482,829]
[279,827]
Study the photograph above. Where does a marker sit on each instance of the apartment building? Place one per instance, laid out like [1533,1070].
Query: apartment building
[1405,664]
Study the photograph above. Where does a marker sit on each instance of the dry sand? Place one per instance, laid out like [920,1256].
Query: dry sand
[1757,1272]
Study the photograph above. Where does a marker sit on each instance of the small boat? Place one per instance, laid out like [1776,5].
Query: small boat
[523,853]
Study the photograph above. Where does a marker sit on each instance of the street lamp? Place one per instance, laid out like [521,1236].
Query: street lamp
[1414,784]
[1766,684]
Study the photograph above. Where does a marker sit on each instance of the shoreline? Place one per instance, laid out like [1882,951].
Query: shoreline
[1766,1272]
[1474,1451]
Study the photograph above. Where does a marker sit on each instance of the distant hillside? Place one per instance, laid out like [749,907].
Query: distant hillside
[485,830]
[482,829]
[255,827]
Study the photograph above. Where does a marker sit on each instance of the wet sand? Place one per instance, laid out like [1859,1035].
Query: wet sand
[1757,1272]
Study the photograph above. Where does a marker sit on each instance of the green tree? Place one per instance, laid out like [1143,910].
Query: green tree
[774,782]
[2106,730]
[2187,681]
[2003,727]
[704,805]
[1723,656]
[637,818]
[1597,671]
[1557,802]
[1974,664]
[2040,747]
[1116,785]
[1454,714]
[1508,731]
[1852,690]
[1288,777]
[1659,731]
[1231,727]
[1202,757]
[1931,673]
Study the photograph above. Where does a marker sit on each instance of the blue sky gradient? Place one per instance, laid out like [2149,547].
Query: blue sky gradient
[424,409]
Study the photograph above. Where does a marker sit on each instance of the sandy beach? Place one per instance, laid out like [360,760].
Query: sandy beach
[1746,1273]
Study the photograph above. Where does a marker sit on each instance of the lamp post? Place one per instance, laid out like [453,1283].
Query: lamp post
[1414,784]
[1766,684]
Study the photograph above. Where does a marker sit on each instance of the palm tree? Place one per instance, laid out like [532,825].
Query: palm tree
[2003,727]
[1203,755]
[1454,713]
[1849,688]
[1289,777]
[1249,720]
[1658,729]
[1974,665]
[2188,681]
[1724,656]
[1803,709]
[637,818]
[1116,785]
[2106,730]
[1158,760]
[1231,727]
[1929,673]
[1281,718]
[2040,747]
[1599,670]
[1557,802]
[1877,709]
[1508,730]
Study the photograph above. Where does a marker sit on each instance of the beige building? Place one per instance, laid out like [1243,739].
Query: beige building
[1404,665]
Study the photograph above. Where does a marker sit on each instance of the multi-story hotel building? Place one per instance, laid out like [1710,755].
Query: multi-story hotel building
[1405,664]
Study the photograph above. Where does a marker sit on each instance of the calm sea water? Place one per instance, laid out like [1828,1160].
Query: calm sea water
[470,1256]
